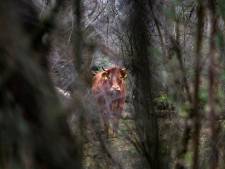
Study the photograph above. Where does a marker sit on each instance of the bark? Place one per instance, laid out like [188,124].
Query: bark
[141,67]
[196,102]
[214,126]
[34,131]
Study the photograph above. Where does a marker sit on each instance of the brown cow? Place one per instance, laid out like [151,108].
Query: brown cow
[109,90]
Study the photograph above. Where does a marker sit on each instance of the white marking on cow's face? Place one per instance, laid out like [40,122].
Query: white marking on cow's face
[115,86]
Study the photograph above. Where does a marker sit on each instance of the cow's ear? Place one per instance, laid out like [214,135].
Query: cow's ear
[123,73]
[105,75]
[93,73]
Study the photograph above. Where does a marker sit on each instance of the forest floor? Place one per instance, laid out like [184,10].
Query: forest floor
[113,152]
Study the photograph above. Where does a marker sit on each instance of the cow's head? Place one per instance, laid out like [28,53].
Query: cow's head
[114,79]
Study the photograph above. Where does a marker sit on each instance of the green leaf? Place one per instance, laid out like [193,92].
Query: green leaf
[221,7]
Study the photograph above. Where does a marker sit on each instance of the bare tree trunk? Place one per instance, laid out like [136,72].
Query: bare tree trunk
[214,127]
[79,86]
[34,131]
[196,107]
[78,36]
[141,68]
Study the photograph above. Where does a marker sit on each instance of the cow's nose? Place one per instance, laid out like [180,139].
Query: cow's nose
[115,88]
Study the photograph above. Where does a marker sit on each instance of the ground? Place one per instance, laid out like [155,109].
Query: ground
[114,152]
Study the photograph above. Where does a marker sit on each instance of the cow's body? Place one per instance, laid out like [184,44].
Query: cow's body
[109,90]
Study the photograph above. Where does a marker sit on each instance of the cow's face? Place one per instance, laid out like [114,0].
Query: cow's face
[114,80]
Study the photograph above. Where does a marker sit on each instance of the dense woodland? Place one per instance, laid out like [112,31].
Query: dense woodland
[173,52]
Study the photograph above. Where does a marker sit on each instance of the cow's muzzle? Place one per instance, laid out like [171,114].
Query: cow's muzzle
[115,93]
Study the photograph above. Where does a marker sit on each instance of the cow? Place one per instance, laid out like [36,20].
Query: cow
[108,88]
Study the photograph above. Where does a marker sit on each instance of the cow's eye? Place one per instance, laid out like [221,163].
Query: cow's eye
[105,76]
[123,73]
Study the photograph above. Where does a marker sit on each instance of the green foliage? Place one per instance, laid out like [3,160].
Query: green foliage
[170,13]
[184,110]
[176,11]
[220,39]
[102,61]
[222,76]
[203,95]
[156,52]
[220,45]
[163,97]
[188,158]
[221,7]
